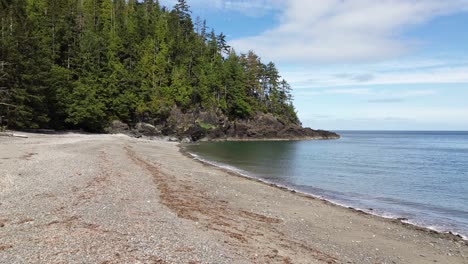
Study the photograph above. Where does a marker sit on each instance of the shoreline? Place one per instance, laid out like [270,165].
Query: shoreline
[234,139]
[394,219]
[171,138]
[75,198]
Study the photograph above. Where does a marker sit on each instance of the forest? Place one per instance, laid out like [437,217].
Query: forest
[80,64]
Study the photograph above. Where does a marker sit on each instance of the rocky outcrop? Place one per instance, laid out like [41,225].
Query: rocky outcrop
[147,129]
[211,126]
[268,127]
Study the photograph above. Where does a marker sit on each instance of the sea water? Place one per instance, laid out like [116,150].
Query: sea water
[420,176]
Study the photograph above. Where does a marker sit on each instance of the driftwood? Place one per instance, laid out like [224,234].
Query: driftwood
[4,134]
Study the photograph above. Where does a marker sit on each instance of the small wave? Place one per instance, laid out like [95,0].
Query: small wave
[222,165]
[438,228]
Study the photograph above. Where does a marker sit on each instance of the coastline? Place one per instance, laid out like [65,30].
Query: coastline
[245,139]
[403,221]
[110,198]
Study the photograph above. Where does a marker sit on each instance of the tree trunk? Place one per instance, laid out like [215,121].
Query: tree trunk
[3,29]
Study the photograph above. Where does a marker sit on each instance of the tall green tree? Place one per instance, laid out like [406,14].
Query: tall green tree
[236,97]
[84,63]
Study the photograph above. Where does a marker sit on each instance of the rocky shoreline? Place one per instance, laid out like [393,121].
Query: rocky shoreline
[209,126]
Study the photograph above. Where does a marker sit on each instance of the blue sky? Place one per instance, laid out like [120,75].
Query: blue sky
[358,64]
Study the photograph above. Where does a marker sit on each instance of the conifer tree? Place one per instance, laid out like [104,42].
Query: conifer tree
[83,63]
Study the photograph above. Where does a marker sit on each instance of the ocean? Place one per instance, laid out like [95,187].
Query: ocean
[419,176]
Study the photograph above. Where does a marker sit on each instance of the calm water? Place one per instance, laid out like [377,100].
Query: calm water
[422,176]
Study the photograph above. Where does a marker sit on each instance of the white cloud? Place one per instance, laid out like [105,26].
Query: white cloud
[438,114]
[387,117]
[372,94]
[337,30]
[390,73]
[356,91]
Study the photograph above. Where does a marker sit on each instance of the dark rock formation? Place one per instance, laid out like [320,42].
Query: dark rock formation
[210,126]
[267,126]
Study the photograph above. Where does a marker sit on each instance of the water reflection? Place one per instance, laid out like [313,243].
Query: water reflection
[271,161]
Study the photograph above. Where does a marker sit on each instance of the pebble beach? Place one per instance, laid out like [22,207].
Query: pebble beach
[77,198]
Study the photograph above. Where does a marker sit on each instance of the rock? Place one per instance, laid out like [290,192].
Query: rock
[118,127]
[186,140]
[209,125]
[209,118]
[173,139]
[267,126]
[147,129]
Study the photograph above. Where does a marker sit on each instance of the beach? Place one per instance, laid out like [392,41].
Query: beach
[76,198]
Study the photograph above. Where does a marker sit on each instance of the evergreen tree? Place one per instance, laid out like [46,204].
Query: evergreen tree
[234,78]
[83,63]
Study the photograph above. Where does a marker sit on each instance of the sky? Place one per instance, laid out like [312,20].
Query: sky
[358,64]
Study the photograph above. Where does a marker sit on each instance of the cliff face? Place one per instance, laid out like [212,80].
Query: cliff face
[210,126]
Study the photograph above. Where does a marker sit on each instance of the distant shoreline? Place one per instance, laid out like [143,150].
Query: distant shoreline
[234,139]
[404,131]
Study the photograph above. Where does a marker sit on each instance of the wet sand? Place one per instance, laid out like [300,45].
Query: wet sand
[75,198]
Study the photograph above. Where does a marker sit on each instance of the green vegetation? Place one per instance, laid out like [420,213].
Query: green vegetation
[206,126]
[83,63]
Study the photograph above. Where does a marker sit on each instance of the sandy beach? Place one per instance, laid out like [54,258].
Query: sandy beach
[74,198]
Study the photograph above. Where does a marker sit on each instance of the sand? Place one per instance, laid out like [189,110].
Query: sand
[75,198]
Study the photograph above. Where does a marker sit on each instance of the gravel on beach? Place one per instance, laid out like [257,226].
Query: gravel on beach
[75,198]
